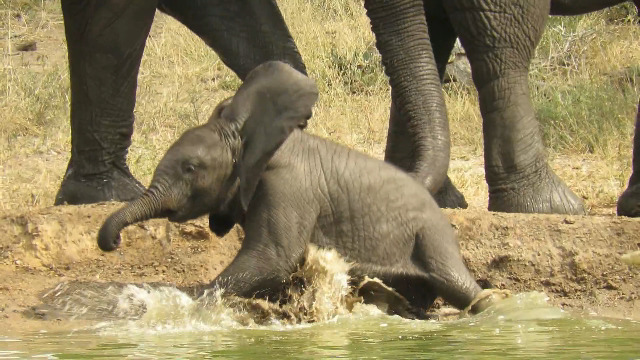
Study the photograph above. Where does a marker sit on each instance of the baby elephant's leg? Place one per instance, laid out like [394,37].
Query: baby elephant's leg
[255,274]
[405,292]
[272,249]
[437,253]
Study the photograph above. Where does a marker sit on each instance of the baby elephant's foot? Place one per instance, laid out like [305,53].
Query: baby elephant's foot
[117,184]
[374,291]
[629,202]
[543,193]
[486,298]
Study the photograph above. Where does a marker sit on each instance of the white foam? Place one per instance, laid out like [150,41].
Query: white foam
[327,297]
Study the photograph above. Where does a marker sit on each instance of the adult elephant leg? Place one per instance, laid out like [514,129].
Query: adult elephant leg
[443,38]
[243,33]
[105,41]
[418,139]
[629,201]
[500,37]
[416,294]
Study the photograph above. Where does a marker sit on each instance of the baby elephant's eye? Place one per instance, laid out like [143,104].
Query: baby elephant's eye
[189,168]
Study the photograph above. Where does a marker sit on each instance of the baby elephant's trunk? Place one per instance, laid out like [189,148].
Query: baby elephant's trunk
[144,208]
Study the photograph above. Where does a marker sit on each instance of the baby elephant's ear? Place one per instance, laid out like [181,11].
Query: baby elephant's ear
[274,100]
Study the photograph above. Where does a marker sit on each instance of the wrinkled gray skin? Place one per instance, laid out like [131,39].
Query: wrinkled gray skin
[499,38]
[629,200]
[105,41]
[310,191]
[414,37]
[106,38]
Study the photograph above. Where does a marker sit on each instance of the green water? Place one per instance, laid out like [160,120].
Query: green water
[524,326]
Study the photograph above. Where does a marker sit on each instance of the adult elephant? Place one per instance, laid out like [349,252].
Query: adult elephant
[499,37]
[414,38]
[106,38]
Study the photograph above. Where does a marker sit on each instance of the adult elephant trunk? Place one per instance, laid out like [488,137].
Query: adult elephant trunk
[418,140]
[146,207]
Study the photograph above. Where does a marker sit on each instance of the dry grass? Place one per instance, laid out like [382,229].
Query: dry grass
[585,93]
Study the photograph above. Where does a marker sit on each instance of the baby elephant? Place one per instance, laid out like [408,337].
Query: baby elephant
[251,164]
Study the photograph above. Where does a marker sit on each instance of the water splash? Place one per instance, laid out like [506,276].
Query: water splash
[321,292]
[533,305]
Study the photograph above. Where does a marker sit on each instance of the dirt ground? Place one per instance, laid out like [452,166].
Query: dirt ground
[575,260]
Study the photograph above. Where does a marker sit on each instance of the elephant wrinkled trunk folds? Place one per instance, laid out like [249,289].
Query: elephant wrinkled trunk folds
[146,207]
[418,139]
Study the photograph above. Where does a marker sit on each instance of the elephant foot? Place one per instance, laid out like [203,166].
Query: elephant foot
[542,195]
[629,202]
[117,184]
[484,299]
[373,291]
[449,197]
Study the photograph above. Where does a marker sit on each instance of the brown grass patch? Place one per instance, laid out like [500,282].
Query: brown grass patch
[584,82]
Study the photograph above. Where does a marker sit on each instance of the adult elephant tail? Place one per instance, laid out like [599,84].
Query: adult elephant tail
[418,130]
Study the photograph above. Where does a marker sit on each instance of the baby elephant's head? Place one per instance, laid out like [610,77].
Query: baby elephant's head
[211,163]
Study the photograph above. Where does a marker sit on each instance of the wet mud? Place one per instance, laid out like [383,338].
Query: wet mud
[580,262]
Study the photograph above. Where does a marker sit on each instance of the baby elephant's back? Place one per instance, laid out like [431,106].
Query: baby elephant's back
[371,203]
[376,182]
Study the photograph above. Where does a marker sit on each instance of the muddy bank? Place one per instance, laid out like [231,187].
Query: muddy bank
[576,260]
[573,259]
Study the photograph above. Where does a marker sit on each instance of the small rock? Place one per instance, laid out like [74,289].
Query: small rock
[458,69]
